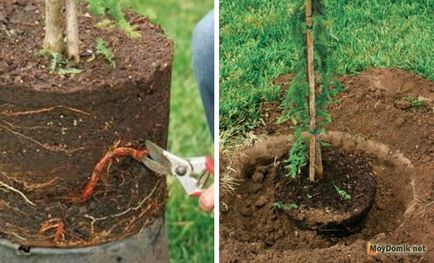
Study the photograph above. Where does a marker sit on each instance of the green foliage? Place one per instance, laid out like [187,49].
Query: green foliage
[256,46]
[297,154]
[58,63]
[68,71]
[103,50]
[105,24]
[342,193]
[279,205]
[416,103]
[113,9]
[295,105]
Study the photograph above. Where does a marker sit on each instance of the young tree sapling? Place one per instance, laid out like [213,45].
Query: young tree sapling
[54,40]
[315,159]
[306,101]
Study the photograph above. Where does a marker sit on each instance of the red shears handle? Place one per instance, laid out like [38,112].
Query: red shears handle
[209,166]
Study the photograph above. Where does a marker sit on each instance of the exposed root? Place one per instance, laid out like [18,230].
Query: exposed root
[229,183]
[23,127]
[31,186]
[18,192]
[223,206]
[56,223]
[137,155]
[39,111]
[423,208]
[37,186]
[92,224]
[135,208]
[47,147]
[151,207]
[17,236]
[138,206]
[6,205]
[59,232]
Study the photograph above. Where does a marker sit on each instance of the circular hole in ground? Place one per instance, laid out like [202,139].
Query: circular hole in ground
[335,205]
[249,214]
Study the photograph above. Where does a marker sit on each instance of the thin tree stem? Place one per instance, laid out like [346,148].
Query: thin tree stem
[311,82]
[53,26]
[72,40]
[319,167]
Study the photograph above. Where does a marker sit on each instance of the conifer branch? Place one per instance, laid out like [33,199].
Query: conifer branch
[306,102]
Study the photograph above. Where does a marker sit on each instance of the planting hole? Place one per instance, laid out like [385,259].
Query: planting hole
[257,212]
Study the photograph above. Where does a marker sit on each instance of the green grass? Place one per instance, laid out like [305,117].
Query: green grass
[255,47]
[191,234]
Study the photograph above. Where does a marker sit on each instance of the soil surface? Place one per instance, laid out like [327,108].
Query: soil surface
[334,205]
[22,34]
[376,119]
[54,129]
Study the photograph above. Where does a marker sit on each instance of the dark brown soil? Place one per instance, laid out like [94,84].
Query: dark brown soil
[22,33]
[397,141]
[54,129]
[319,206]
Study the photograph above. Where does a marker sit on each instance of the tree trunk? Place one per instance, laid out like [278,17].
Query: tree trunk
[53,26]
[72,41]
[315,158]
[319,167]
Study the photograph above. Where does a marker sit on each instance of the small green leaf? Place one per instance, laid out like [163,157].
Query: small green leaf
[69,71]
[103,50]
[279,205]
[342,193]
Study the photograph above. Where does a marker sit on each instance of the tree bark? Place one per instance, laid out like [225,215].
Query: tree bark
[319,167]
[315,158]
[53,26]
[72,41]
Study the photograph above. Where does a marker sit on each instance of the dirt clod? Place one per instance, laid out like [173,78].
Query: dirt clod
[262,200]
[402,104]
[258,177]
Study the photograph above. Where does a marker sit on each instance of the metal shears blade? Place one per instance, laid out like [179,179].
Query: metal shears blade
[164,162]
[159,163]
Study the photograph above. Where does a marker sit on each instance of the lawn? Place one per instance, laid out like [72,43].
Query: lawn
[191,234]
[255,47]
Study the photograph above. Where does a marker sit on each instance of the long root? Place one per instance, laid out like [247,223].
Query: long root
[8,187]
[52,148]
[137,155]
[39,111]
[30,186]
[56,223]
[151,207]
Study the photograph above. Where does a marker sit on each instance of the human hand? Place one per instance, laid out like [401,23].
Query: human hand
[206,199]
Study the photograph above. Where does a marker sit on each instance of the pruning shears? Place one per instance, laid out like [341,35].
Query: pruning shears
[193,173]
